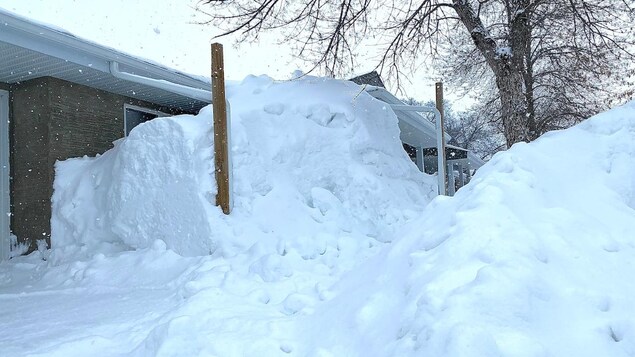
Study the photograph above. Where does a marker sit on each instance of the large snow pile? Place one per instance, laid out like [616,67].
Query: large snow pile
[310,156]
[535,257]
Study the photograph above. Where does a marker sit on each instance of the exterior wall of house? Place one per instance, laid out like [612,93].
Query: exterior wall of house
[30,191]
[85,121]
[54,120]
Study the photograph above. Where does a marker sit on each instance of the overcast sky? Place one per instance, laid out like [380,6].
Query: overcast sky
[165,31]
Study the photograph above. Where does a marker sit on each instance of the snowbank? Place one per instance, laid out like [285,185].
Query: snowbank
[310,156]
[535,257]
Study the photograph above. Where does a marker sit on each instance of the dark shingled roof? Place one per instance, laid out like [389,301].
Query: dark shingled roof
[371,79]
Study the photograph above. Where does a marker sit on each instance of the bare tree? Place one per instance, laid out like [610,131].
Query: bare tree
[468,129]
[529,49]
[570,74]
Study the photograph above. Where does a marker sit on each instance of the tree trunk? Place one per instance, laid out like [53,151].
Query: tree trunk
[513,104]
[507,64]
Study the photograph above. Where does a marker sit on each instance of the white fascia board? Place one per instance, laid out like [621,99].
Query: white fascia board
[455,147]
[52,48]
[194,93]
[57,43]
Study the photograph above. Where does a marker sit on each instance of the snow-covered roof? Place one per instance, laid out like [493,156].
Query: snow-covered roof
[415,129]
[29,49]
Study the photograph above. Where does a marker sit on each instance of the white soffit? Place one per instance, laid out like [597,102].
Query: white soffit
[29,50]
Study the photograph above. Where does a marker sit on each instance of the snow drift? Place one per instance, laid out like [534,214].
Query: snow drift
[310,155]
[330,251]
[535,257]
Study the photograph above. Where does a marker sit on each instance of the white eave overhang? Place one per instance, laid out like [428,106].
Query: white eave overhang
[30,50]
[425,130]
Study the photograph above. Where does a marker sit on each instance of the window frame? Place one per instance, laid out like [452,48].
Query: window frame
[126,107]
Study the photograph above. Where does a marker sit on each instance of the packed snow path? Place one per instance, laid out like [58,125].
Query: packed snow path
[534,257]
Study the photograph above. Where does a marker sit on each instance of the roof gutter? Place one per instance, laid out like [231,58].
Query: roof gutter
[194,93]
[59,43]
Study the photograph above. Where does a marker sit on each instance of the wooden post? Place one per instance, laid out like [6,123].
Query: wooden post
[221,130]
[439,96]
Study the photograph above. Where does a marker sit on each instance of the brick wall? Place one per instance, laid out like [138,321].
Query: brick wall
[30,173]
[54,120]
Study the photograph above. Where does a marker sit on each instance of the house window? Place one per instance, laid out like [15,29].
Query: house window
[134,115]
[411,151]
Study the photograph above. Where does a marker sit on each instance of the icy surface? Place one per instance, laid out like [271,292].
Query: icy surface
[535,257]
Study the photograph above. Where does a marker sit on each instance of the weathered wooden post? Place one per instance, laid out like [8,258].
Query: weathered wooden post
[221,130]
[442,163]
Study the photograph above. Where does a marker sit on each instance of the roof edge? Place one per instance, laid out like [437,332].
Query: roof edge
[38,32]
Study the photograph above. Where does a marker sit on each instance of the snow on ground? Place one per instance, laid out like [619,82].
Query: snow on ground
[330,250]
[535,257]
[321,181]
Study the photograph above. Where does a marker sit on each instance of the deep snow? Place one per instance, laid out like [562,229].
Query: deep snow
[310,157]
[331,250]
